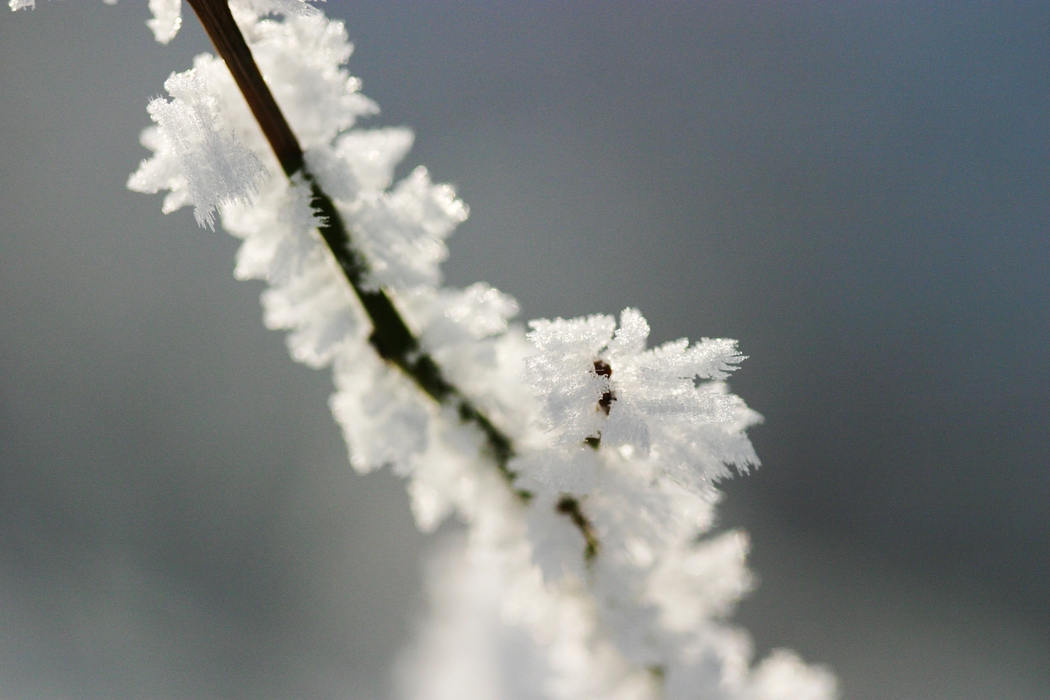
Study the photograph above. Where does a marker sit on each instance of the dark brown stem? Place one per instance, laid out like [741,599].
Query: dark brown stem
[224,33]
[391,337]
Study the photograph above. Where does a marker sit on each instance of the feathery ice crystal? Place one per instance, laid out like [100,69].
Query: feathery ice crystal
[595,569]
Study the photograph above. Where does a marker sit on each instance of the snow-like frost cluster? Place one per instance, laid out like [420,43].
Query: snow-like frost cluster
[605,581]
[212,165]
[167,18]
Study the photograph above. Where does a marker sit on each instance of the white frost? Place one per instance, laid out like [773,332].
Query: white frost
[631,604]
[198,155]
[167,18]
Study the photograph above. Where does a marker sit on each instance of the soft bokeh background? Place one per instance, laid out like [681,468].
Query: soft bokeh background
[856,191]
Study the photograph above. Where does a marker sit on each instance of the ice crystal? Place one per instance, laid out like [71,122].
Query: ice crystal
[199,158]
[167,18]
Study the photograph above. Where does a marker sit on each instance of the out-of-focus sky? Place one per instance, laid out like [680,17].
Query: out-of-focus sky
[858,192]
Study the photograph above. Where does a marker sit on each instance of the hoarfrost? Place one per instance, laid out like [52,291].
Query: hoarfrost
[213,167]
[403,231]
[167,18]
[609,577]
[598,382]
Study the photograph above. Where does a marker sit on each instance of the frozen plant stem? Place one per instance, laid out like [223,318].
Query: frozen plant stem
[391,337]
[590,508]
[224,33]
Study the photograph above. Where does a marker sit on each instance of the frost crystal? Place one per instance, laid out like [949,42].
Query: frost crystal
[596,573]
[199,158]
[167,18]
[165,23]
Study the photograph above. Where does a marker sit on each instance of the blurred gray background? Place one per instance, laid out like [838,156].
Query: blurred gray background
[858,192]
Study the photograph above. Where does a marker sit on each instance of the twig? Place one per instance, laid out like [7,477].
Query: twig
[391,336]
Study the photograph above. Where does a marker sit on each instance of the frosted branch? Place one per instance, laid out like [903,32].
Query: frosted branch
[391,336]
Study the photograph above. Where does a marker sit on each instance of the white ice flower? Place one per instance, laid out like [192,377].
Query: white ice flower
[403,231]
[198,155]
[600,386]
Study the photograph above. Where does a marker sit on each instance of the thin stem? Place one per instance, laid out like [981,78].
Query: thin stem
[391,336]
[224,33]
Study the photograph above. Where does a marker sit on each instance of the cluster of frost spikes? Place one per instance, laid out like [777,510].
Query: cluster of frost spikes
[607,582]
